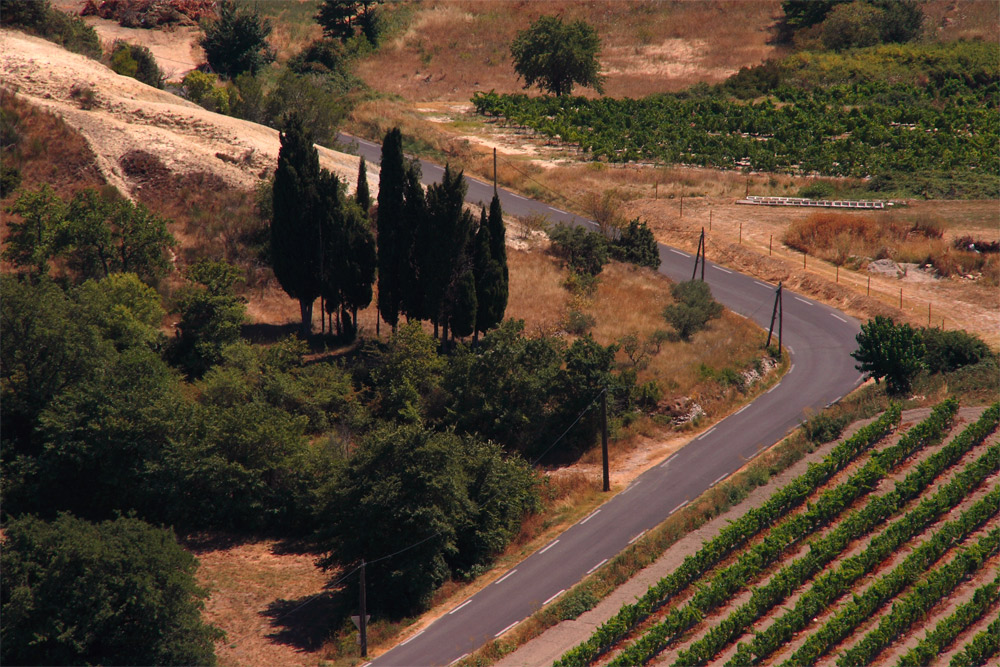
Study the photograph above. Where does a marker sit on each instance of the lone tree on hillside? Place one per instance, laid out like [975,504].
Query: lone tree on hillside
[891,351]
[557,55]
[236,42]
[339,18]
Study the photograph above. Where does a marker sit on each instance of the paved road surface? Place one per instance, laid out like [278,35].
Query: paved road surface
[819,340]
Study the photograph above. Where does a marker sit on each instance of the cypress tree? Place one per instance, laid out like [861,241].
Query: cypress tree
[295,229]
[415,236]
[390,256]
[463,304]
[361,195]
[489,281]
[448,231]
[359,267]
[498,250]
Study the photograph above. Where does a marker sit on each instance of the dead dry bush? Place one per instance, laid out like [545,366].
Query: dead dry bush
[853,240]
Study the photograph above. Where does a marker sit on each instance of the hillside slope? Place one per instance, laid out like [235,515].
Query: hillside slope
[127,115]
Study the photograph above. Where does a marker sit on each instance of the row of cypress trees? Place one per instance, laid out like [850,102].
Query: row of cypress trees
[434,261]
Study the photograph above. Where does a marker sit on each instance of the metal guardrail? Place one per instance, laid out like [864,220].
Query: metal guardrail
[823,203]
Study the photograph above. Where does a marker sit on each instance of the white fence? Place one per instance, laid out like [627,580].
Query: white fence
[824,203]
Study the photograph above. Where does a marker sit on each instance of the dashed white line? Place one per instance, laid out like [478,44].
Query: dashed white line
[422,631]
[791,368]
[678,252]
[591,570]
[458,659]
[509,627]
[723,270]
[740,314]
[549,547]
[554,597]
[678,507]
[519,197]
[764,285]
[720,479]
[706,433]
[772,388]
[741,410]
[457,608]
[557,210]
[589,517]
[631,486]
[791,350]
[501,579]
[637,536]
[664,464]
[838,318]
[803,301]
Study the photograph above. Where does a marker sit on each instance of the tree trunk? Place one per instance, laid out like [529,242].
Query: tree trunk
[306,310]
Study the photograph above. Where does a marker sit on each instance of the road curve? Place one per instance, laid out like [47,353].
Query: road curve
[819,340]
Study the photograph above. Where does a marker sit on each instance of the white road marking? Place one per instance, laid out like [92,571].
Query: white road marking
[558,210]
[678,507]
[764,285]
[706,433]
[509,627]
[791,368]
[458,659]
[803,301]
[519,197]
[554,597]
[422,631]
[772,388]
[664,464]
[638,536]
[790,349]
[549,547]
[740,314]
[678,252]
[501,579]
[631,486]
[741,409]
[839,318]
[589,517]
[720,479]
[722,269]
[590,571]
[457,608]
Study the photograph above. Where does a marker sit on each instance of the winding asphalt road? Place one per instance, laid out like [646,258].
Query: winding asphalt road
[819,340]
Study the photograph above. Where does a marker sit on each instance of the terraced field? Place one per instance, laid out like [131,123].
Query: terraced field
[886,553]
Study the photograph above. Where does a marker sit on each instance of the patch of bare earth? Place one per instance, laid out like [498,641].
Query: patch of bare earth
[261,598]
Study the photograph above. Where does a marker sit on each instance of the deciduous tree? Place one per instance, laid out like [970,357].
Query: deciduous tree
[891,351]
[558,55]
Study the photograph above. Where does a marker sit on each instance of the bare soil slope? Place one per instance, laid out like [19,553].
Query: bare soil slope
[128,115]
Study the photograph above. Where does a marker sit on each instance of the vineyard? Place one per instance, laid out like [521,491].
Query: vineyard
[892,537]
[859,126]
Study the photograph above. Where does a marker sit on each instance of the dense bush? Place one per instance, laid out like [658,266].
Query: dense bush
[583,251]
[136,61]
[38,16]
[637,245]
[947,351]
[120,592]
[236,41]
[693,309]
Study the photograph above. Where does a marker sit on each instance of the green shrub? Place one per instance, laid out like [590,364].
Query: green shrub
[824,428]
[816,190]
[578,601]
[947,351]
[578,323]
[581,250]
[136,61]
[636,245]
[694,308]
[648,395]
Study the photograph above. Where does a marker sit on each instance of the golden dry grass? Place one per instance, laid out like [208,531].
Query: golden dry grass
[453,47]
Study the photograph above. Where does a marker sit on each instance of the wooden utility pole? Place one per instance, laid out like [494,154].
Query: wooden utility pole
[363,621]
[604,439]
[778,312]
[700,254]
[494,171]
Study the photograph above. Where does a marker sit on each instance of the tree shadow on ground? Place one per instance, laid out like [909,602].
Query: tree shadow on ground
[306,623]
[267,333]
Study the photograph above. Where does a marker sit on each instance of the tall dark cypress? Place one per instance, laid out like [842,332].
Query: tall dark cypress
[415,236]
[296,248]
[498,250]
[390,213]
[362,195]
[358,271]
[490,303]
[450,230]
